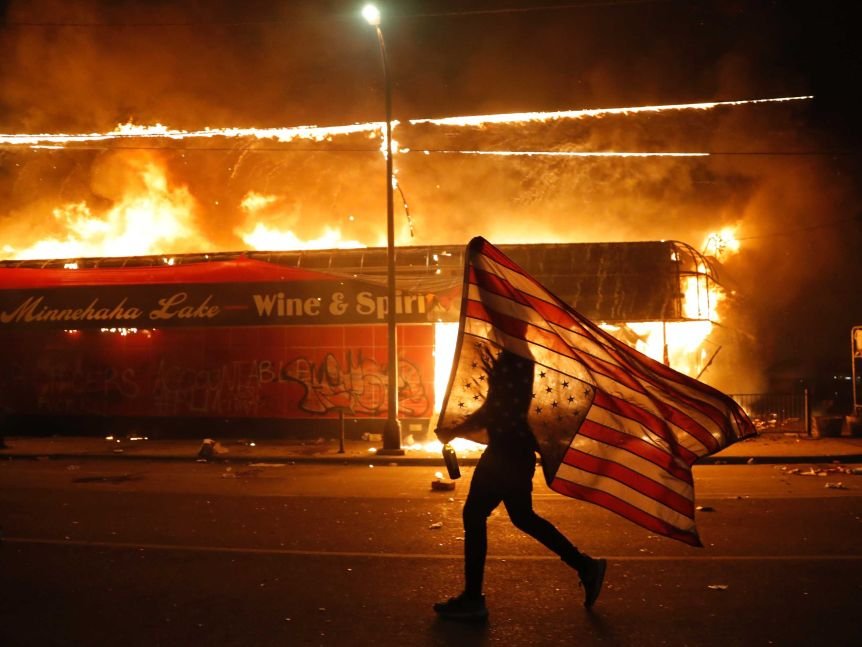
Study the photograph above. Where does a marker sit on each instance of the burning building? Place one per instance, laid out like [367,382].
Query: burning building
[292,343]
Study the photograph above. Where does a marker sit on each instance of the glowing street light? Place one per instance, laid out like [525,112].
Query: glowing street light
[392,429]
[371,14]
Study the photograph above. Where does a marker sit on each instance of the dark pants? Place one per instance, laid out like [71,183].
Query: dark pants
[507,478]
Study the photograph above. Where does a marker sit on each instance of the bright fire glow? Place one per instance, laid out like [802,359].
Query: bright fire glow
[565,153]
[462,446]
[158,131]
[263,237]
[523,117]
[701,296]
[374,128]
[721,244]
[445,340]
[148,218]
[685,339]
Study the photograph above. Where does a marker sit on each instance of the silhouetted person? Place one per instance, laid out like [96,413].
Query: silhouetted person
[504,474]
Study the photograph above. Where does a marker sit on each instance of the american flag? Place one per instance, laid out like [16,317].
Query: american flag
[613,426]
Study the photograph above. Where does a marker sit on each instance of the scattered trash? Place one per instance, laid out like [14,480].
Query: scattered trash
[836,486]
[705,508]
[436,525]
[230,474]
[266,464]
[210,448]
[441,485]
[750,461]
[119,478]
[718,587]
[835,468]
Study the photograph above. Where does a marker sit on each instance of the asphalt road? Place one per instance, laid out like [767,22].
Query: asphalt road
[165,553]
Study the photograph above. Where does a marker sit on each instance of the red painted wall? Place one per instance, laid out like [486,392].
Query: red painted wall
[284,372]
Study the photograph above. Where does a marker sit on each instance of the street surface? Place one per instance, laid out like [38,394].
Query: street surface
[110,552]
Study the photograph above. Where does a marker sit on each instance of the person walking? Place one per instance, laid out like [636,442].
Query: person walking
[504,474]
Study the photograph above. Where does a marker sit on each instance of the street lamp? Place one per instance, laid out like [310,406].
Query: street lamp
[392,430]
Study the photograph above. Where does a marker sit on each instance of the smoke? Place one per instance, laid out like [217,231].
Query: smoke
[198,64]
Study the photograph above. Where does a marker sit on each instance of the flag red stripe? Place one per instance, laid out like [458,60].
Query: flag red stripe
[629,362]
[496,284]
[624,509]
[634,445]
[627,410]
[630,478]
[634,361]
[557,312]
[617,406]
[483,247]
[657,424]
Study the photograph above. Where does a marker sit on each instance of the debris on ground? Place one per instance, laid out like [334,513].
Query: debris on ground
[436,525]
[836,486]
[210,448]
[718,587]
[835,468]
[440,485]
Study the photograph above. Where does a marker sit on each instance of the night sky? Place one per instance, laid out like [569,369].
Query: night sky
[785,175]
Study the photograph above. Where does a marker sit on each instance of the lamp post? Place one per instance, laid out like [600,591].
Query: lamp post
[392,429]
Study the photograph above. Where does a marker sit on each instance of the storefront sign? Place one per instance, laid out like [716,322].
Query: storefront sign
[206,304]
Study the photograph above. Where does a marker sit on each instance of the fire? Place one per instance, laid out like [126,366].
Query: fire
[524,117]
[254,202]
[372,129]
[149,217]
[701,296]
[270,239]
[722,243]
[445,341]
[158,131]
[259,235]
[566,153]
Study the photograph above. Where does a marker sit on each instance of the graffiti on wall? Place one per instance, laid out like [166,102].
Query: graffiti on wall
[359,388]
[72,385]
[68,383]
[231,390]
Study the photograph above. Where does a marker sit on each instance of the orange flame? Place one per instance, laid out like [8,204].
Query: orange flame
[150,217]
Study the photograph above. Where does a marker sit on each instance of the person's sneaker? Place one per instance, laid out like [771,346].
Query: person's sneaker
[462,608]
[592,577]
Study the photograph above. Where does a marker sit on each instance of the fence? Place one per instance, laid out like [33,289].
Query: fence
[777,412]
